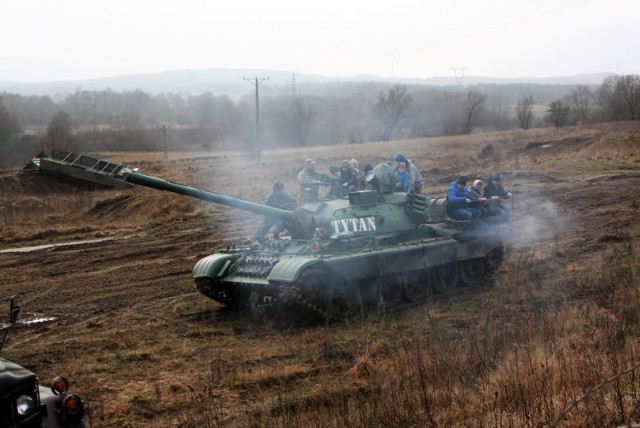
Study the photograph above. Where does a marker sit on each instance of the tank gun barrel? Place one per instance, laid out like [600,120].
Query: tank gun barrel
[160,184]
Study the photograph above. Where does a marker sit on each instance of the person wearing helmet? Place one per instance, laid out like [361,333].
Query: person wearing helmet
[278,199]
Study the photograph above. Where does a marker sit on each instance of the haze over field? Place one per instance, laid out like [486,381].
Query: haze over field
[73,40]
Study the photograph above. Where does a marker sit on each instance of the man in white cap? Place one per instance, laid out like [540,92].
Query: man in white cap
[308,179]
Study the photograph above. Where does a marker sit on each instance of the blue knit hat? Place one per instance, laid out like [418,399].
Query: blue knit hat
[497,177]
[400,158]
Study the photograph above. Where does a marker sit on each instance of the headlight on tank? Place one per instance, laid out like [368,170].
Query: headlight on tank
[25,404]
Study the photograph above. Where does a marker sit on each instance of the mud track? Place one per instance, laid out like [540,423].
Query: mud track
[126,306]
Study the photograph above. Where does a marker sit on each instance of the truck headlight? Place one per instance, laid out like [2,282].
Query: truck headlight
[25,404]
[59,385]
[72,407]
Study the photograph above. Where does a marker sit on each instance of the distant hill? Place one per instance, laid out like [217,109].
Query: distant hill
[230,82]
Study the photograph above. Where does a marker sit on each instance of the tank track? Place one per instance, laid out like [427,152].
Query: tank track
[294,298]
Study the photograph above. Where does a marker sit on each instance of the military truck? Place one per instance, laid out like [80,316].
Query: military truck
[24,403]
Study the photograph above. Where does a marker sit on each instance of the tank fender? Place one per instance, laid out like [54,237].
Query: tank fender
[213,266]
[289,270]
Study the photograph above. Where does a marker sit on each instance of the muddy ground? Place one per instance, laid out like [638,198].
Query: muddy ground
[129,322]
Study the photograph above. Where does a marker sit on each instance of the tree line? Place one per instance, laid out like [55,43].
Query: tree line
[90,121]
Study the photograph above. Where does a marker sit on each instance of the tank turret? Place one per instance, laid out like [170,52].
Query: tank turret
[374,247]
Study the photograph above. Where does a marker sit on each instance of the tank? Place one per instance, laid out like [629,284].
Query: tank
[373,249]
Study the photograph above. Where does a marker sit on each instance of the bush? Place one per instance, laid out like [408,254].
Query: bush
[486,151]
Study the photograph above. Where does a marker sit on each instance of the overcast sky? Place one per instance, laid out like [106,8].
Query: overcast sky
[83,39]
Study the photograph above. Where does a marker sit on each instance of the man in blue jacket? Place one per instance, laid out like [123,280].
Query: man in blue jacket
[458,200]
[416,182]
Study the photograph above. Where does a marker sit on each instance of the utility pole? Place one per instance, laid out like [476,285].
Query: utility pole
[41,136]
[164,139]
[293,85]
[93,104]
[118,116]
[256,149]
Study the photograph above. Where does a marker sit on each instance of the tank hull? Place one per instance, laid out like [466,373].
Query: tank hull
[346,276]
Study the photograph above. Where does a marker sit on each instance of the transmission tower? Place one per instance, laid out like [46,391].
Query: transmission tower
[459,75]
[293,85]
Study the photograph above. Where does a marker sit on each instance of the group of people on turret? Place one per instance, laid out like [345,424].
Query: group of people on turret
[478,200]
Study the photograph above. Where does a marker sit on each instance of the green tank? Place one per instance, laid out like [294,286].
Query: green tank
[376,248]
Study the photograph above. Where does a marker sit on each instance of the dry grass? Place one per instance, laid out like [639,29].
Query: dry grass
[551,341]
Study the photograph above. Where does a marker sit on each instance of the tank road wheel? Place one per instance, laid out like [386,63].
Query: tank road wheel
[391,290]
[415,288]
[493,260]
[260,304]
[368,290]
[325,294]
[343,301]
[444,278]
[471,272]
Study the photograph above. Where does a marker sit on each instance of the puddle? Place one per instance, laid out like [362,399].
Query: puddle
[44,247]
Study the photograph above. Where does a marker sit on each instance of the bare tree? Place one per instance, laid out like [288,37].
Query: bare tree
[9,126]
[59,131]
[474,110]
[580,102]
[619,97]
[391,108]
[9,129]
[524,112]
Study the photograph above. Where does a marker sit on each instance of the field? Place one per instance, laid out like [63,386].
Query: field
[552,339]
